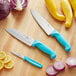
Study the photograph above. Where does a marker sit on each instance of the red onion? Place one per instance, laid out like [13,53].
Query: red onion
[59,65]
[18,5]
[4,9]
[71,61]
[50,71]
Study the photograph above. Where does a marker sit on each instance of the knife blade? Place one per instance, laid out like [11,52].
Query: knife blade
[20,36]
[28,59]
[31,42]
[49,30]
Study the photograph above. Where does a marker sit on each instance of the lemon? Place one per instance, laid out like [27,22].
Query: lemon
[2,55]
[9,65]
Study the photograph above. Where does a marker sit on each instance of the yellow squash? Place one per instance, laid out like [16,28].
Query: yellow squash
[52,7]
[67,12]
[1,65]
[9,65]
[73,3]
[6,59]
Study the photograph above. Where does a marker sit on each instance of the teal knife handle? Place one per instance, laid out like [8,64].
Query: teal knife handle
[61,40]
[33,62]
[44,48]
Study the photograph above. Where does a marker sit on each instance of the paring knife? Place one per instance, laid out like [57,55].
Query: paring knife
[28,59]
[31,42]
[50,30]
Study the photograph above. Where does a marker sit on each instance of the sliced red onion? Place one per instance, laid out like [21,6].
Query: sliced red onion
[59,65]
[71,61]
[50,71]
[18,5]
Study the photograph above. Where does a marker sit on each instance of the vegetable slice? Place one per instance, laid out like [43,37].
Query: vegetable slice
[9,65]
[2,55]
[50,71]
[71,61]
[59,66]
[6,59]
[1,65]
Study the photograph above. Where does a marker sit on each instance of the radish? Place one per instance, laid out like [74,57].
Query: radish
[50,71]
[59,65]
[71,61]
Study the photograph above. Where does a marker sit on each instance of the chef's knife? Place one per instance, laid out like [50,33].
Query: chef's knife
[31,42]
[50,30]
[28,59]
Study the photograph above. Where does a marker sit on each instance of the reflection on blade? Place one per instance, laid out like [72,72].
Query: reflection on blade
[25,39]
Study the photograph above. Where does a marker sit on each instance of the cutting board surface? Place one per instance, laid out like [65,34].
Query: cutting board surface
[24,22]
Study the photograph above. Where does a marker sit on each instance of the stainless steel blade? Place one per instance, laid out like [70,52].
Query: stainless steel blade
[42,22]
[17,54]
[25,39]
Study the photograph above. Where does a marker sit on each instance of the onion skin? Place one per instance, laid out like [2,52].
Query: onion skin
[13,4]
[4,9]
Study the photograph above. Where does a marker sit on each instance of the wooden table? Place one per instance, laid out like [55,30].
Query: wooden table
[24,22]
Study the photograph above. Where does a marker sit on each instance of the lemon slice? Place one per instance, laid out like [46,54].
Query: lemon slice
[2,55]
[1,65]
[9,65]
[6,59]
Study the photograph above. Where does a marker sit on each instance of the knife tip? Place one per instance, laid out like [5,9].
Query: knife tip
[11,51]
[7,29]
[31,10]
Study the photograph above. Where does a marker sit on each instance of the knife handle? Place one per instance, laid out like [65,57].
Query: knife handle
[61,40]
[44,48]
[33,62]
